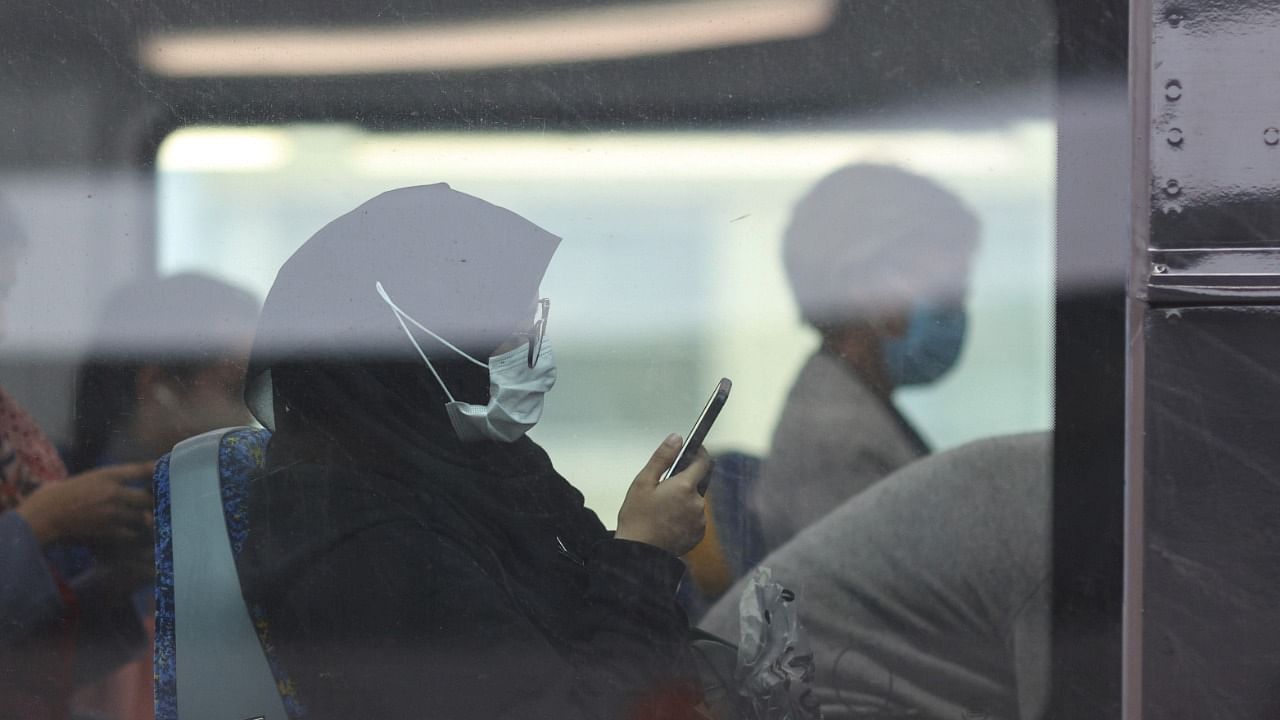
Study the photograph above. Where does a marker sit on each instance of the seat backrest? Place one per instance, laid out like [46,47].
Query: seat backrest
[733,543]
[209,661]
[733,477]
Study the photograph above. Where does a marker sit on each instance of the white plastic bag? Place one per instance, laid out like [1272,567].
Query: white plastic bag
[775,666]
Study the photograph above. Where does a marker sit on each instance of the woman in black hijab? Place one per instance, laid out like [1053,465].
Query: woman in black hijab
[410,553]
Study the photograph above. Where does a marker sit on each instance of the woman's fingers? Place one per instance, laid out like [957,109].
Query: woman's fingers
[693,475]
[125,534]
[135,474]
[660,460]
[134,499]
[671,514]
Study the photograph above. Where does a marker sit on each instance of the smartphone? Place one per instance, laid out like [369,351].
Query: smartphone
[693,441]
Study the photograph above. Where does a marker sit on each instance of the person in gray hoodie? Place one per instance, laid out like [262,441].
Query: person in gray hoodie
[927,595]
[878,261]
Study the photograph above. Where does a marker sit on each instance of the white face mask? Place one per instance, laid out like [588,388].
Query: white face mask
[516,391]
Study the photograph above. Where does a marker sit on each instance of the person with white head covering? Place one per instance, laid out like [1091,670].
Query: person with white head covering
[878,261]
[166,362]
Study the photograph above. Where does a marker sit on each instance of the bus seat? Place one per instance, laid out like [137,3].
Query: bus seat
[733,544]
[735,474]
[209,659]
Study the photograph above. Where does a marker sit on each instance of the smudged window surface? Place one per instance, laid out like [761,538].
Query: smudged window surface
[671,274]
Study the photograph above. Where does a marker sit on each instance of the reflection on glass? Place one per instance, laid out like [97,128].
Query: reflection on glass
[669,276]
[612,32]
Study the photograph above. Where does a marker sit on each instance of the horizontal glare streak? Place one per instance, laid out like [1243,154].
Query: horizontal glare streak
[608,33]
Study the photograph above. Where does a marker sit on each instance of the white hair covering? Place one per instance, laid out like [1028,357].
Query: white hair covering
[870,239]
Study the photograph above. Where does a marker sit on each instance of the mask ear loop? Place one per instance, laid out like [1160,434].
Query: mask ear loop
[401,316]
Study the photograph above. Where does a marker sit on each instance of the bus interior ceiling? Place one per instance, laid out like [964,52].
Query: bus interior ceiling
[858,60]
[84,111]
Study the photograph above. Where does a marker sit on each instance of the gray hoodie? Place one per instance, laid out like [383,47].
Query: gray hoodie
[927,596]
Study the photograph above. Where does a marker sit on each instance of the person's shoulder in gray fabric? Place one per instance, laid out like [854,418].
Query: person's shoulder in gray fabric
[834,439]
[927,595]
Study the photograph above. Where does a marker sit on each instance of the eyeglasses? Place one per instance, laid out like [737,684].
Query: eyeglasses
[538,332]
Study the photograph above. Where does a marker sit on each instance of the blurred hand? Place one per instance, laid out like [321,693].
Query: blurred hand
[98,506]
[667,514]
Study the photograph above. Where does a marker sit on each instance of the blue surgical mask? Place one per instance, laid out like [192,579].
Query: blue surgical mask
[516,390]
[929,347]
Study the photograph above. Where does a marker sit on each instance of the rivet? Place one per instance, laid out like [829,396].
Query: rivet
[1172,90]
[1175,137]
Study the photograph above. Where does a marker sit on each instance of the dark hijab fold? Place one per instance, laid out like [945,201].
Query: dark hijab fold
[335,377]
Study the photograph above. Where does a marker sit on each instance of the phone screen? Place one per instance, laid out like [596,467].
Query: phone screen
[706,419]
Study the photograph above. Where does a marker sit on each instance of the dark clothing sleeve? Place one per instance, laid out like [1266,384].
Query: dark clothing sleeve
[29,596]
[362,634]
[108,631]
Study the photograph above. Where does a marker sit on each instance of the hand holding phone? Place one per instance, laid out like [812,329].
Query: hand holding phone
[667,514]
